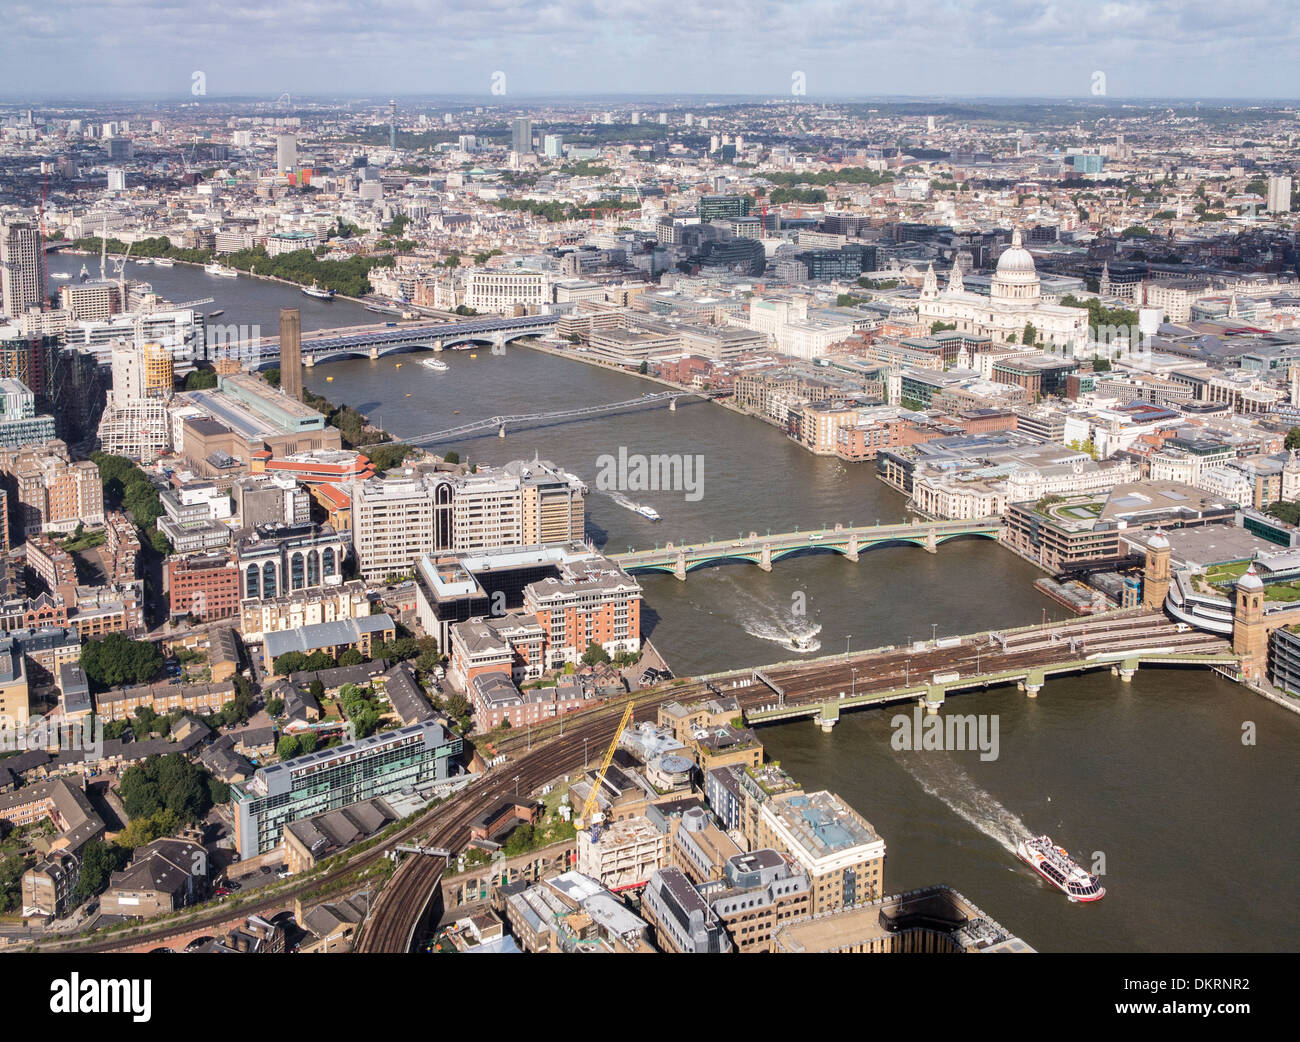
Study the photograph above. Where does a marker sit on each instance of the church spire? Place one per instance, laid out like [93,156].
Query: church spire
[955,284]
[930,287]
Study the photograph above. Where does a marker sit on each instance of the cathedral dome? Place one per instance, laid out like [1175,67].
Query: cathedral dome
[1016,276]
[1017,262]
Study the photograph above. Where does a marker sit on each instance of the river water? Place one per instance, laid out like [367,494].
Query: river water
[1197,830]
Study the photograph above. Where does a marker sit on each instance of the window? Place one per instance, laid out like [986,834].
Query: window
[252,588]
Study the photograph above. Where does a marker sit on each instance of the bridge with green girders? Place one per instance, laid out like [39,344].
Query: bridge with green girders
[1030,679]
[763,550]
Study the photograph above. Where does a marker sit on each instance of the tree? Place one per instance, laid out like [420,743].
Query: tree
[1284,511]
[351,657]
[519,841]
[457,705]
[595,655]
[289,662]
[1293,438]
[644,368]
[287,747]
[169,782]
[99,860]
[451,456]
[938,327]
[201,379]
[275,706]
[316,689]
[1030,335]
[119,660]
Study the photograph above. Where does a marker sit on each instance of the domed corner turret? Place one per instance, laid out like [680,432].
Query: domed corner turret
[1251,580]
[1158,541]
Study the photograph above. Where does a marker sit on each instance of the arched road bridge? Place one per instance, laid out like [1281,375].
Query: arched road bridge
[762,550]
[376,341]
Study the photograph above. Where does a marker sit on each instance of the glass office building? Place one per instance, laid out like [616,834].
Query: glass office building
[380,765]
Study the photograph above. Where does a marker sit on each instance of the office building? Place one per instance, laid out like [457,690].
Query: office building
[1279,194]
[760,891]
[932,920]
[712,207]
[416,755]
[396,521]
[22,267]
[277,560]
[521,135]
[286,153]
[683,921]
[204,585]
[47,492]
[19,424]
[836,846]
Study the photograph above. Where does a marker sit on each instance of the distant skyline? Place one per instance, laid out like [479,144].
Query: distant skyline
[1245,49]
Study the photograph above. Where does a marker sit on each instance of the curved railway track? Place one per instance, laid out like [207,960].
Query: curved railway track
[404,898]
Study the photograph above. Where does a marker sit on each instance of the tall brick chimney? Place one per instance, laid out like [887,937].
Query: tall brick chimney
[291,352]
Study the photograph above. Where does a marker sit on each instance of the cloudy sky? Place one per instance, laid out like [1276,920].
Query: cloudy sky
[1151,48]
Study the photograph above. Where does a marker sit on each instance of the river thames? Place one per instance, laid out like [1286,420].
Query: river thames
[1197,830]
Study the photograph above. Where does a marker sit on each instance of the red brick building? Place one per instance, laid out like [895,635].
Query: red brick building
[203,585]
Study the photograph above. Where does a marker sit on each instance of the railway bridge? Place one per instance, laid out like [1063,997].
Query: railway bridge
[927,672]
[377,341]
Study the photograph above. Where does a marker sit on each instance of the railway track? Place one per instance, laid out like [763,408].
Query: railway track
[558,748]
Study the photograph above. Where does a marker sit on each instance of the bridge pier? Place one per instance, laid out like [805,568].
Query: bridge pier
[931,543]
[827,717]
[852,552]
[374,353]
[437,345]
[501,431]
[679,569]
[765,559]
[1032,684]
[672,404]
[309,361]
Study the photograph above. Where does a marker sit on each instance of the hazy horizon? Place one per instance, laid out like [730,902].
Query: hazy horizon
[1016,50]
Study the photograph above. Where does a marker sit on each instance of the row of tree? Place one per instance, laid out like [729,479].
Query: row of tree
[126,487]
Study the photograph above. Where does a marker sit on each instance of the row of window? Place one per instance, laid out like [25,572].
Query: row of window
[305,570]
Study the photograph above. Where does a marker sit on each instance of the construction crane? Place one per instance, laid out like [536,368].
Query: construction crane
[591,816]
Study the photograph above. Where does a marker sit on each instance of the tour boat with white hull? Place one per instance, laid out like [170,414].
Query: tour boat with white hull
[1058,868]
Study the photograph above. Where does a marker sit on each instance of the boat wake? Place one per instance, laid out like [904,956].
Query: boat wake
[947,782]
[760,619]
[636,508]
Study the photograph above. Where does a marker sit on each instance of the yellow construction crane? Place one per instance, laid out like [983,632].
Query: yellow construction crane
[591,816]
